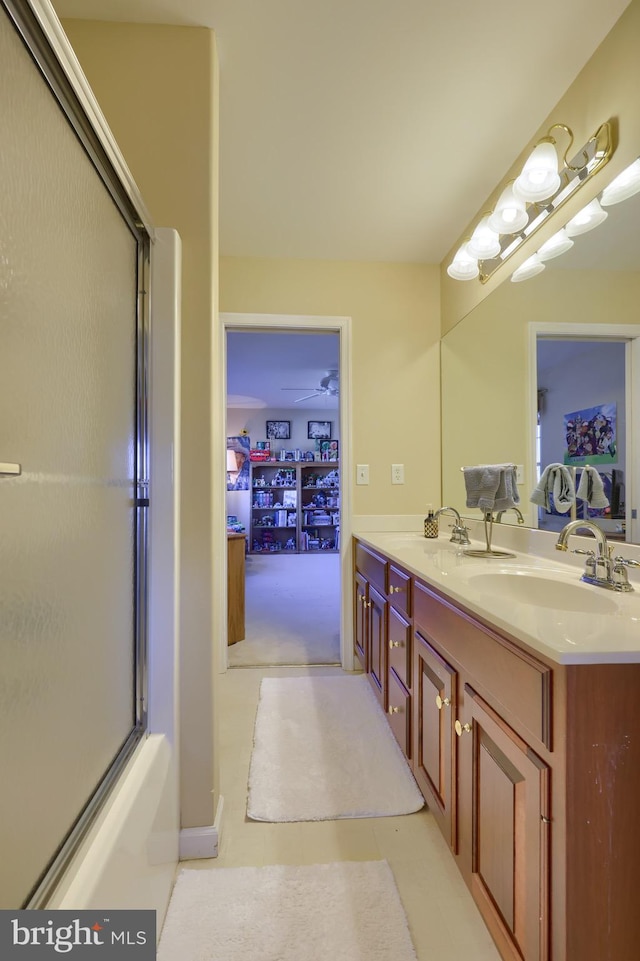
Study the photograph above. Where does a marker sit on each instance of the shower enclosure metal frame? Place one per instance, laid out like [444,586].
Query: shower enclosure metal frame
[48,47]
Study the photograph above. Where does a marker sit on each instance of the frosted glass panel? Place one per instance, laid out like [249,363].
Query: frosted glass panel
[67,524]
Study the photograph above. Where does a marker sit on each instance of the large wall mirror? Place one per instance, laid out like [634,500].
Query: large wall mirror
[534,353]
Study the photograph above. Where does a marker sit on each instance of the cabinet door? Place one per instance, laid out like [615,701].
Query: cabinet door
[360,620]
[377,615]
[434,747]
[504,799]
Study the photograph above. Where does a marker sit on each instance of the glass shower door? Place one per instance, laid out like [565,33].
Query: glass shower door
[69,265]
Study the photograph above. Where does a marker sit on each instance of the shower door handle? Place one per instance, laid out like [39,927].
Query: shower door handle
[10,470]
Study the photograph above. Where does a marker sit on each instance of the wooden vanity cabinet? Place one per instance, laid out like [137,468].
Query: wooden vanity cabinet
[476,763]
[370,619]
[530,767]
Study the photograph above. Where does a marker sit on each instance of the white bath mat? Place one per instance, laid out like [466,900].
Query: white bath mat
[347,911]
[322,749]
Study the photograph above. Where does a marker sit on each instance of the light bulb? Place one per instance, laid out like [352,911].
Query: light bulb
[556,245]
[510,214]
[463,265]
[484,242]
[529,268]
[539,179]
[625,185]
[586,219]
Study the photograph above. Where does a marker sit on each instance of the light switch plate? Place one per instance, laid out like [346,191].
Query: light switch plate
[362,473]
[519,473]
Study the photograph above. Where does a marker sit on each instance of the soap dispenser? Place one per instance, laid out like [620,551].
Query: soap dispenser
[430,523]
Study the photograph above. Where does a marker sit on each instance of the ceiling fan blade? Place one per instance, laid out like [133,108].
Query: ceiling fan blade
[308,397]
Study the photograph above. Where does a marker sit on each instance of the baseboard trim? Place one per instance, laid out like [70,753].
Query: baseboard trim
[202,842]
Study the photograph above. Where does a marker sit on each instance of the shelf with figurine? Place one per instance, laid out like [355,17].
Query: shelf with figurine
[295,508]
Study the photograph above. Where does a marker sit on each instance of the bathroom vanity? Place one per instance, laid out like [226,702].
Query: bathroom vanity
[514,692]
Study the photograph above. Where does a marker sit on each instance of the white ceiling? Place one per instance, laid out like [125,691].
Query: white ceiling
[372,129]
[260,365]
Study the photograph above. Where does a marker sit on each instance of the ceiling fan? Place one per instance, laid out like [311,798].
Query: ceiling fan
[329,387]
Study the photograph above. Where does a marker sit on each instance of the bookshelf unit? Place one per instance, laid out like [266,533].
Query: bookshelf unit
[319,506]
[295,507]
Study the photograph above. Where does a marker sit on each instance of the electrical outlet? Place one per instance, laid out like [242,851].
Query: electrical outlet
[362,473]
[397,473]
[519,473]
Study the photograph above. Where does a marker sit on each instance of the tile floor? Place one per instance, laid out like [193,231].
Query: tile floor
[443,919]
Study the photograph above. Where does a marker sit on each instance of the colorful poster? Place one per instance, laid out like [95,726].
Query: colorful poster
[591,435]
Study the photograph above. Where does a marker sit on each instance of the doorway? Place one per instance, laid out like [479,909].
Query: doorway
[586,393]
[287,403]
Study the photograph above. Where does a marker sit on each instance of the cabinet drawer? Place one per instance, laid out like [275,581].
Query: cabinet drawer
[399,713]
[399,634]
[508,676]
[400,590]
[373,566]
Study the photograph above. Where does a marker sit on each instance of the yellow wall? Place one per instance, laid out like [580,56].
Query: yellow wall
[395,314]
[158,88]
[607,88]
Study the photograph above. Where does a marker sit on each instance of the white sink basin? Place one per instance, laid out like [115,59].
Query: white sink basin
[551,590]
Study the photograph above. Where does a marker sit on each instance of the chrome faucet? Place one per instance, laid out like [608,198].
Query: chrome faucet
[600,569]
[518,513]
[459,533]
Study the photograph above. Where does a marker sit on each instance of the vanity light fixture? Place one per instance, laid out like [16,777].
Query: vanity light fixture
[556,245]
[540,179]
[510,214]
[524,206]
[586,219]
[463,266]
[529,268]
[485,242]
[623,186]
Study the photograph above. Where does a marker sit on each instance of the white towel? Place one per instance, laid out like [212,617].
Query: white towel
[557,480]
[491,487]
[591,488]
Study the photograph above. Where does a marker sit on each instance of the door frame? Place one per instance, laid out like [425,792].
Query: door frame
[290,323]
[629,333]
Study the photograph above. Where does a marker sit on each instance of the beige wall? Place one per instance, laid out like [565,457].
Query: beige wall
[158,88]
[395,322]
[607,88]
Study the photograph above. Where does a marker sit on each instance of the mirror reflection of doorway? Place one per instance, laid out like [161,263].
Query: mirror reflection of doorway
[283,409]
[582,414]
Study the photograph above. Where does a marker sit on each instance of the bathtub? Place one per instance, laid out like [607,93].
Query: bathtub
[129,857]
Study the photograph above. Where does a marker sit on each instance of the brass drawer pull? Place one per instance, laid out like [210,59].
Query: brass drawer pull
[460,728]
[442,702]
[397,590]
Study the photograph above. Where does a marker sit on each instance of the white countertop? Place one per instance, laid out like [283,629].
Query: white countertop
[603,627]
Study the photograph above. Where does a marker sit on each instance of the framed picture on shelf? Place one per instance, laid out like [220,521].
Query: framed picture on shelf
[319,429]
[279,429]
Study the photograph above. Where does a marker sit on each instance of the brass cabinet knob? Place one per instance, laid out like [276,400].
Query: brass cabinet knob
[442,702]
[461,727]
[368,603]
[397,590]
[393,710]
[393,644]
